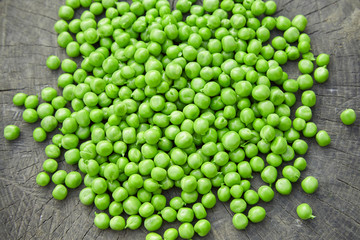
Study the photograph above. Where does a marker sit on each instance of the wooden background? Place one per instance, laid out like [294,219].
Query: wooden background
[28,211]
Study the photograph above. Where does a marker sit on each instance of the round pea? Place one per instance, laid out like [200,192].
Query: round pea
[11,132]
[304,211]
[309,184]
[348,116]
[256,214]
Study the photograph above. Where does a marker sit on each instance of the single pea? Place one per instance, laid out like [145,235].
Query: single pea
[102,201]
[64,39]
[279,145]
[348,116]
[53,62]
[131,205]
[269,174]
[87,196]
[240,221]
[300,163]
[299,124]
[202,227]
[60,192]
[307,67]
[19,99]
[291,173]
[270,7]
[185,214]
[266,193]
[223,193]
[323,138]
[245,184]
[283,186]
[102,220]
[42,179]
[59,177]
[49,123]
[186,231]
[310,130]
[133,222]
[73,179]
[251,197]
[117,223]
[300,22]
[171,234]
[45,109]
[304,211]
[11,132]
[66,12]
[99,185]
[208,200]
[169,214]
[238,205]
[153,222]
[322,60]
[309,184]
[50,165]
[153,236]
[68,65]
[308,98]
[304,47]
[321,74]
[257,164]
[31,102]
[61,26]
[256,214]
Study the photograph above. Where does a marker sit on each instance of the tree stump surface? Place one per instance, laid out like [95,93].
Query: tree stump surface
[28,211]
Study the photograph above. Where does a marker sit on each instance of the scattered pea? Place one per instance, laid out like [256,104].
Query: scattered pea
[304,211]
[348,116]
[11,132]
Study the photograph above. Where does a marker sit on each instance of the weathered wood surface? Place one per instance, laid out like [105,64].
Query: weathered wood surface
[29,212]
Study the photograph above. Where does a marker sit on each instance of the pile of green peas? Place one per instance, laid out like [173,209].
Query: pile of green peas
[162,100]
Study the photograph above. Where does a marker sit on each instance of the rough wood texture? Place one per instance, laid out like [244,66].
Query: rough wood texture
[28,212]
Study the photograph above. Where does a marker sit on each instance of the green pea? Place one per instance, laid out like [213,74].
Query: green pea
[171,234]
[60,192]
[11,132]
[283,186]
[309,184]
[153,222]
[240,221]
[202,227]
[304,211]
[348,116]
[117,223]
[256,214]
[269,174]
[291,173]
[186,231]
[266,193]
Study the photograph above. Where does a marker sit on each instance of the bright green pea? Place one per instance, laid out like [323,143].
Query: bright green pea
[309,184]
[202,227]
[256,214]
[266,193]
[186,231]
[291,173]
[240,221]
[321,74]
[348,116]
[11,132]
[322,60]
[42,179]
[304,211]
[283,186]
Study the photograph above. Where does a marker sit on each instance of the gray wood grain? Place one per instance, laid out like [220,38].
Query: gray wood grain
[29,212]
